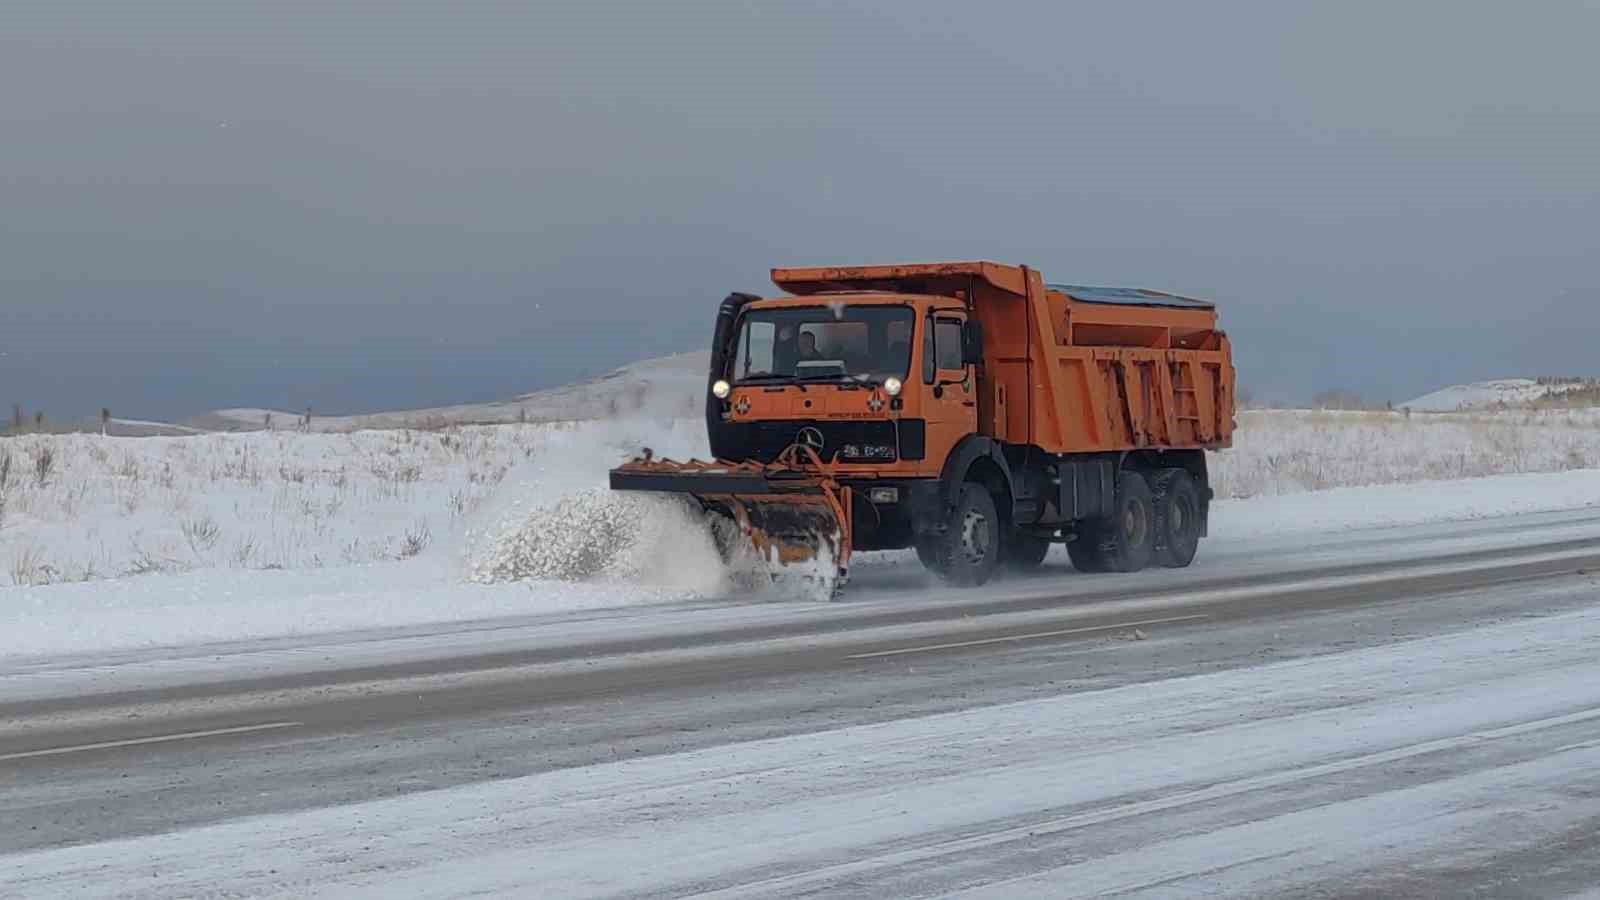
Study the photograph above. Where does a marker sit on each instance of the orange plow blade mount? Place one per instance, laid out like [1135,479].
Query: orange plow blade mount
[791,511]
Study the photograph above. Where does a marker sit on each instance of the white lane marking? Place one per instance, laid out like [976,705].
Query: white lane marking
[131,742]
[1024,637]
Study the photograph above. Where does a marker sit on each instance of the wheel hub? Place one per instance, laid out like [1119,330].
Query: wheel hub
[1133,522]
[974,536]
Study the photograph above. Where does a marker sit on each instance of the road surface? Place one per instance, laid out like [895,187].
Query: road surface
[1407,713]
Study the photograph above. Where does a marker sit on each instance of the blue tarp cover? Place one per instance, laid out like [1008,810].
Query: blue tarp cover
[1128,296]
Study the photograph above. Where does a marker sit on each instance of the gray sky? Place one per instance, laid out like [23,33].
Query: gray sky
[376,205]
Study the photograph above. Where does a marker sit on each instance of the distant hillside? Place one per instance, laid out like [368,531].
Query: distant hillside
[666,386]
[1499,392]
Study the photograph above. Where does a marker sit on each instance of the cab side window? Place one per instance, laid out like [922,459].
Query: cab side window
[947,342]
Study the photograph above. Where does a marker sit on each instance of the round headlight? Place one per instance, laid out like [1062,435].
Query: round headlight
[893,386]
[721,389]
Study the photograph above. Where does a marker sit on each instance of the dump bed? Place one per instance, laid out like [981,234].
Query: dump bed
[1073,369]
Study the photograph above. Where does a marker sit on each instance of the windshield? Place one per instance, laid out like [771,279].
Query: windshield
[824,343]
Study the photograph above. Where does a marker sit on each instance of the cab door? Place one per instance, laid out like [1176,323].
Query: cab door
[950,398]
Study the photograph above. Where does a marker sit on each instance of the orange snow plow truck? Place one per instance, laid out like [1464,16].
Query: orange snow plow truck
[969,410]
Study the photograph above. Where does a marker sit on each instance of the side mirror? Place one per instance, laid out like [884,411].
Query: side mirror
[972,343]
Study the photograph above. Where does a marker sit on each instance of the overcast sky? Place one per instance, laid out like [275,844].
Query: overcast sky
[362,206]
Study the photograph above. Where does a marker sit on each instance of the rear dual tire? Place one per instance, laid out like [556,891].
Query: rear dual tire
[1124,541]
[1155,521]
[1177,518]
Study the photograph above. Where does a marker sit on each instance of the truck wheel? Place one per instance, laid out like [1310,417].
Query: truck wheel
[1177,518]
[970,548]
[930,553]
[1084,551]
[1025,552]
[1126,542]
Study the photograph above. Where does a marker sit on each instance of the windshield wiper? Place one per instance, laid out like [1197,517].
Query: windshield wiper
[770,378]
[859,379]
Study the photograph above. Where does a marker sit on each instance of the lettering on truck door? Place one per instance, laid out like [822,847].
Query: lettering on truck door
[951,402]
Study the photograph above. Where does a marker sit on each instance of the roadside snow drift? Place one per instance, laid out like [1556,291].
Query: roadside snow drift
[109,542]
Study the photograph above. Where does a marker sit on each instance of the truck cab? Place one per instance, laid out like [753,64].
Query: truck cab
[880,385]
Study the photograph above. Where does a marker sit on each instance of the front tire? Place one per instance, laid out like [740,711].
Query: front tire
[970,549]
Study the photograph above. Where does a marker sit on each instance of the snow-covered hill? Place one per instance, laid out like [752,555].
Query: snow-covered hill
[666,387]
[1487,395]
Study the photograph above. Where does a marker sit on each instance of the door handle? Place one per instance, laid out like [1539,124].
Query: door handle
[969,403]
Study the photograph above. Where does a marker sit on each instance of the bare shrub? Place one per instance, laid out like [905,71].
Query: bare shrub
[29,568]
[130,501]
[87,573]
[129,468]
[147,562]
[1338,398]
[201,532]
[44,463]
[243,552]
[417,539]
[5,483]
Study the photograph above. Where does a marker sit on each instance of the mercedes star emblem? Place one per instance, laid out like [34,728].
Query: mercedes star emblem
[809,437]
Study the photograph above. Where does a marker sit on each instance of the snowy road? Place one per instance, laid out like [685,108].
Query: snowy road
[1413,712]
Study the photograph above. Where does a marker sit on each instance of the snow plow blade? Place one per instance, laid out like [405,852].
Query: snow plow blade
[791,513]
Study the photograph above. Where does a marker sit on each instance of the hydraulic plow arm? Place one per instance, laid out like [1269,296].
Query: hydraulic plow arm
[791,510]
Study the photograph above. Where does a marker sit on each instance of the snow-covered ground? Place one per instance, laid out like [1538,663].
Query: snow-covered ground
[121,542]
[83,507]
[134,543]
[1294,451]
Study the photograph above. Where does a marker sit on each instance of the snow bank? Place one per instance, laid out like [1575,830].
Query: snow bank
[668,561]
[1387,506]
[220,605]
[129,542]
[1294,451]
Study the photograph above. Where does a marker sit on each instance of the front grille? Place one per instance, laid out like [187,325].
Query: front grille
[871,441]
